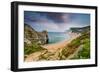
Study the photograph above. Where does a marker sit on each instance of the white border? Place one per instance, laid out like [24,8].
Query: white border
[22,64]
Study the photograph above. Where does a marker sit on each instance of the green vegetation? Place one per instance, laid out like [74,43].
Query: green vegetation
[78,48]
[84,52]
[33,40]
[32,48]
[82,43]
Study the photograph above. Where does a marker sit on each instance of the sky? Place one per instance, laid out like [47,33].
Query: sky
[54,21]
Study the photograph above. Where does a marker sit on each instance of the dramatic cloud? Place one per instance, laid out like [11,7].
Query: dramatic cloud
[58,22]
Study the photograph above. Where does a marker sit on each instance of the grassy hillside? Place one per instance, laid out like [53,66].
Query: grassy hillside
[84,53]
[33,40]
[82,43]
[32,48]
[79,48]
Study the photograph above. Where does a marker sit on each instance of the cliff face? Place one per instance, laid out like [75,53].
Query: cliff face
[31,36]
[80,30]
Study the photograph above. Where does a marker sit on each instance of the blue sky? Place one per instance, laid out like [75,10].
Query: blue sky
[55,22]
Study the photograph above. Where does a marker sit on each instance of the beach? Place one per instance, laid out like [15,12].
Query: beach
[62,44]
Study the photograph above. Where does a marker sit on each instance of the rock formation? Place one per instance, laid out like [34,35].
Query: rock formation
[31,36]
[80,30]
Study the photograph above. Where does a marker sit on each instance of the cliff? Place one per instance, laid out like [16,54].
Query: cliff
[80,30]
[31,36]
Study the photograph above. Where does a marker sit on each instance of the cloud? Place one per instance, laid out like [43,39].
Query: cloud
[58,22]
[58,17]
[49,26]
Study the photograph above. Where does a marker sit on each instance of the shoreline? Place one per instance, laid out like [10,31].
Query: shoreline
[54,46]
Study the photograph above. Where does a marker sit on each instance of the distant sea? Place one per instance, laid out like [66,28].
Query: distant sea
[55,37]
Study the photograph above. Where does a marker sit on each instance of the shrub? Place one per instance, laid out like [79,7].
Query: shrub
[32,48]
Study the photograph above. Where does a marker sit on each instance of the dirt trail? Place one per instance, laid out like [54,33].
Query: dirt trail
[51,48]
[75,53]
[34,56]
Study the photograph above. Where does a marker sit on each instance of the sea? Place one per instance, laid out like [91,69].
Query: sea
[55,37]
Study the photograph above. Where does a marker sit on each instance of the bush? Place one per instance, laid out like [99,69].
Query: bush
[32,48]
[85,52]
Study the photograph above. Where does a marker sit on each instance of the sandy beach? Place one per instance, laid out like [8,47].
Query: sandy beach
[62,44]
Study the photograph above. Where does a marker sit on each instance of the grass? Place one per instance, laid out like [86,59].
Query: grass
[84,53]
[32,48]
[82,42]
[63,54]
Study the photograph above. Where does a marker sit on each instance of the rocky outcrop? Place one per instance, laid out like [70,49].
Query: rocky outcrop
[80,30]
[31,36]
